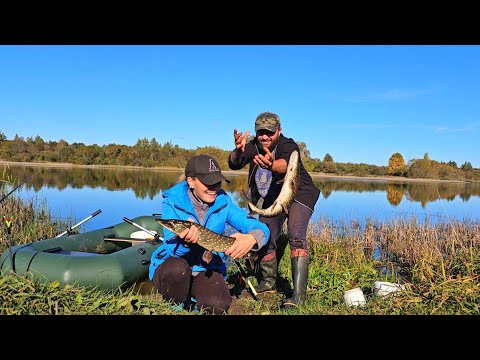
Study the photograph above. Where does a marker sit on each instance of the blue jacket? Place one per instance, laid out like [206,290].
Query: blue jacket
[177,205]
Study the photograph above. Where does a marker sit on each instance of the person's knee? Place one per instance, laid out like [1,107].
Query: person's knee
[175,268]
[211,293]
[172,270]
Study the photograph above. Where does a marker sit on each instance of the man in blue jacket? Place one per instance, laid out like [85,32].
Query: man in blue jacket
[180,268]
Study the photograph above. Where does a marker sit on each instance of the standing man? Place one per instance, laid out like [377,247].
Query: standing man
[268,155]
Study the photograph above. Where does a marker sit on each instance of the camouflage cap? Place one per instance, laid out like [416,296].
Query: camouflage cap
[268,121]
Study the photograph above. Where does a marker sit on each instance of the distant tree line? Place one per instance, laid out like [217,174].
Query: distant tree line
[150,153]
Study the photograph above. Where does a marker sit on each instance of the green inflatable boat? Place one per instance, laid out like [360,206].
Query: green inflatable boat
[109,258]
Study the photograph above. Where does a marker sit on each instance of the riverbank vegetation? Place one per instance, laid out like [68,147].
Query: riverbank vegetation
[150,154]
[437,262]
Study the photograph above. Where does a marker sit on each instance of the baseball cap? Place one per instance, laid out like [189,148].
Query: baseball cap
[205,168]
[268,121]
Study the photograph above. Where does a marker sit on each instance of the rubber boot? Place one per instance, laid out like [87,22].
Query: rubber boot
[268,277]
[299,277]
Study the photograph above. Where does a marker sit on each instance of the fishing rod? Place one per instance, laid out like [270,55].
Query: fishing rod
[8,223]
[69,230]
[23,182]
[154,234]
[245,277]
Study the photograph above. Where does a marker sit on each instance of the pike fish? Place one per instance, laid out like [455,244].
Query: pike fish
[207,238]
[287,193]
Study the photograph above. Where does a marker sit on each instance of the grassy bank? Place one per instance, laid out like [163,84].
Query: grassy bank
[437,263]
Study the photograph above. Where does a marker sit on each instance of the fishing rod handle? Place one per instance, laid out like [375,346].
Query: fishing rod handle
[96,212]
[128,220]
[86,219]
[142,228]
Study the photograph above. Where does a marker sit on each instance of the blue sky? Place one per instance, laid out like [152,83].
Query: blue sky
[358,103]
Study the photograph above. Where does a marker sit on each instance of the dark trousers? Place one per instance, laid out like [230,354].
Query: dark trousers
[298,218]
[174,281]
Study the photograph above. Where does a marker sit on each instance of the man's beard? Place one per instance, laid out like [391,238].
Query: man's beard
[270,148]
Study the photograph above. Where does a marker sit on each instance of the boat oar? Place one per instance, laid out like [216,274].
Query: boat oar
[245,277]
[8,223]
[69,230]
[156,237]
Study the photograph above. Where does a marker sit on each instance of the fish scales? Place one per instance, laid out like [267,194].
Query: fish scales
[207,238]
[287,192]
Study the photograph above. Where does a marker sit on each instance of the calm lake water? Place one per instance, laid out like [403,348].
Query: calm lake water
[76,193]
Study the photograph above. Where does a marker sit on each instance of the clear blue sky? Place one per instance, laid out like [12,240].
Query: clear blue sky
[358,103]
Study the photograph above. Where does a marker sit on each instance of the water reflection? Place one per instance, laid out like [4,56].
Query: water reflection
[340,198]
[419,191]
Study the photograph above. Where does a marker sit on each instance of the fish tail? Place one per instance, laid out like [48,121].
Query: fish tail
[246,195]
[253,209]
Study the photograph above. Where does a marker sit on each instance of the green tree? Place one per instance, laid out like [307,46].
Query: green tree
[452,164]
[466,166]
[3,137]
[142,144]
[304,152]
[328,158]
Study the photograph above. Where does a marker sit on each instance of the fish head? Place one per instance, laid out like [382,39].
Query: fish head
[174,225]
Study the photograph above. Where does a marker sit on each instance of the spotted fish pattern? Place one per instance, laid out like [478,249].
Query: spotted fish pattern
[207,238]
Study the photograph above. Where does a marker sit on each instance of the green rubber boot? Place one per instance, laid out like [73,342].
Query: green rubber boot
[268,276]
[299,277]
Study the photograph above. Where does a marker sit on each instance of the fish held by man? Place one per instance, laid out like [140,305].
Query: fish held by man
[287,193]
[208,239]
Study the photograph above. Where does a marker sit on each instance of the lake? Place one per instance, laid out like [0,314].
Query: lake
[77,192]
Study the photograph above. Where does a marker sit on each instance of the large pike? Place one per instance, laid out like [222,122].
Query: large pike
[287,193]
[207,238]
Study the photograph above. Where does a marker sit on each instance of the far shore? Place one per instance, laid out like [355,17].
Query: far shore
[228,172]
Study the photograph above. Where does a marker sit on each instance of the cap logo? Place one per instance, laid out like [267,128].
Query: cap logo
[213,167]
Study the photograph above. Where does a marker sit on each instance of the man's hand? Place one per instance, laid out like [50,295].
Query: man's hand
[190,235]
[264,161]
[240,140]
[241,246]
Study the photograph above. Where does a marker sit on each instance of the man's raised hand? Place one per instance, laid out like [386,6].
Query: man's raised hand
[240,139]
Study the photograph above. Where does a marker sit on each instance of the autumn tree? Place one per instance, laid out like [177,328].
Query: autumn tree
[422,168]
[396,165]
[304,152]
[328,158]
